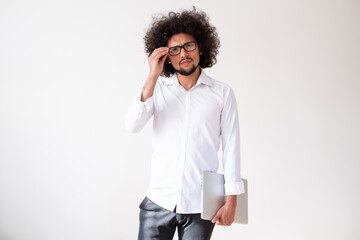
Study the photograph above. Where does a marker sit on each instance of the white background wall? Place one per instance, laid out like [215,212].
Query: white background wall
[69,70]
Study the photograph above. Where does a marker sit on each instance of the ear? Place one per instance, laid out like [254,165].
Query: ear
[200,47]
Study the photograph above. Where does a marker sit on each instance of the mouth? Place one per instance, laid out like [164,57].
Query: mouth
[185,62]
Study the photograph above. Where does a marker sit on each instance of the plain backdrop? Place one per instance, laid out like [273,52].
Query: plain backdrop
[69,70]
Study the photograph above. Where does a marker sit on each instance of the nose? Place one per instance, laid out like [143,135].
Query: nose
[183,53]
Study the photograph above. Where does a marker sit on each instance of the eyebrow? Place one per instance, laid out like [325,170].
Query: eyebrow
[182,45]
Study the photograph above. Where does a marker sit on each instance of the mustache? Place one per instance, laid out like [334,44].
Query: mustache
[184,59]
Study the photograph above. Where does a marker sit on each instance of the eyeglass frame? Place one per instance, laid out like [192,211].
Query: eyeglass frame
[182,46]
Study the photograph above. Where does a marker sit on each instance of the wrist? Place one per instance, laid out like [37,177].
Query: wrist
[153,77]
[150,82]
[231,201]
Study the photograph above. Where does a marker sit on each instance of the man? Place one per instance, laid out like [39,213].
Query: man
[192,112]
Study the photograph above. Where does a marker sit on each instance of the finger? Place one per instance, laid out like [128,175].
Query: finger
[157,56]
[216,218]
[158,51]
[161,49]
[162,52]
[160,57]
[220,222]
[163,58]
[228,222]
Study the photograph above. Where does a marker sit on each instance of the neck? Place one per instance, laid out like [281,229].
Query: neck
[189,81]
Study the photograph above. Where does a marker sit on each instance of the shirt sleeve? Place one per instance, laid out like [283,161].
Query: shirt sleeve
[230,138]
[139,113]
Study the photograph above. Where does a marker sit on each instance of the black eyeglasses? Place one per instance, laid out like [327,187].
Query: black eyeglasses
[189,46]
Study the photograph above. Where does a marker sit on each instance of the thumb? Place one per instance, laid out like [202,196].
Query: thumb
[163,58]
[217,216]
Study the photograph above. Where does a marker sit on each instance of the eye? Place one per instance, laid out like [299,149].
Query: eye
[174,49]
[189,46]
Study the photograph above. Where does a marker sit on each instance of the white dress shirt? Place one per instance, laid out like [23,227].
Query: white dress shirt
[187,129]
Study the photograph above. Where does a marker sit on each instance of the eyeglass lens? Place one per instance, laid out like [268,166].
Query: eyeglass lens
[190,46]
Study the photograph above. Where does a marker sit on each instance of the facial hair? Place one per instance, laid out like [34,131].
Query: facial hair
[183,72]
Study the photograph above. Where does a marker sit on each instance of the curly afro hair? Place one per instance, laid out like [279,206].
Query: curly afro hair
[192,22]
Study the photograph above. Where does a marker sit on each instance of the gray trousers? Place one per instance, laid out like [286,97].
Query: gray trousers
[160,224]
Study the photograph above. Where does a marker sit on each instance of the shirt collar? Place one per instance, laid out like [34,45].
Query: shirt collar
[203,78]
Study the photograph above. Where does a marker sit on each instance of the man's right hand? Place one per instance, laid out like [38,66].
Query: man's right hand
[156,61]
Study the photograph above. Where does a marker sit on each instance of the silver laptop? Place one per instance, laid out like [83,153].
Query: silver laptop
[213,197]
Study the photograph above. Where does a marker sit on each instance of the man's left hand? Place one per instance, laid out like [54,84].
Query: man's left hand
[226,214]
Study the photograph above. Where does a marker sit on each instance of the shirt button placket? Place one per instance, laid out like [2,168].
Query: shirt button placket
[186,131]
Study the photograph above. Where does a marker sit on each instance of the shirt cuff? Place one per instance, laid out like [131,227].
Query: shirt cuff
[137,103]
[234,188]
